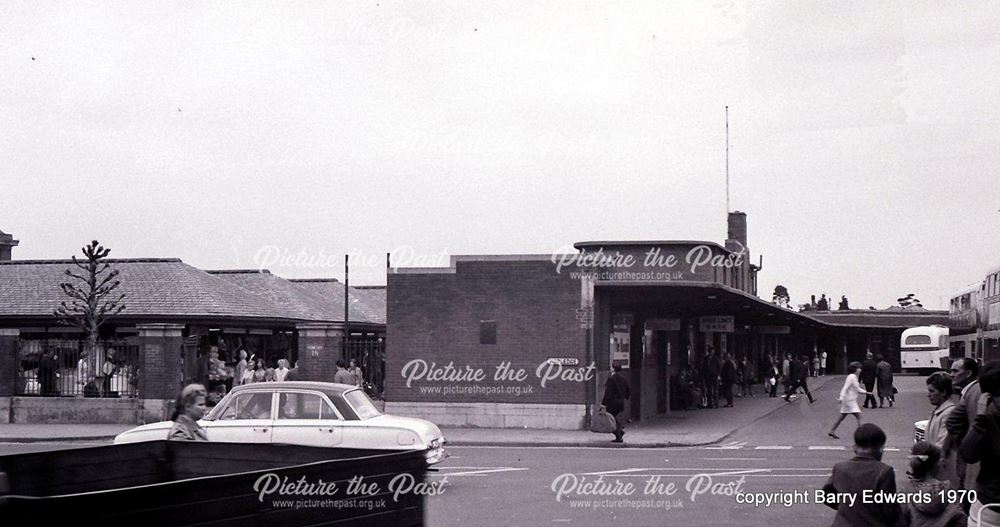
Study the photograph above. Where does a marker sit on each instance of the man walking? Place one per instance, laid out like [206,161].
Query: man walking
[616,392]
[770,376]
[786,372]
[822,364]
[883,370]
[868,375]
[964,375]
[728,375]
[799,372]
[710,372]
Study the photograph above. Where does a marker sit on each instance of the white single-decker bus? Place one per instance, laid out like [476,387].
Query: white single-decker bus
[924,349]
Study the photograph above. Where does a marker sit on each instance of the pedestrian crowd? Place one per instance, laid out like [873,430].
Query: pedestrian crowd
[253,369]
[960,451]
[727,377]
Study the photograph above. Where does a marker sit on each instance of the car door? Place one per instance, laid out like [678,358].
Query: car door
[307,418]
[247,418]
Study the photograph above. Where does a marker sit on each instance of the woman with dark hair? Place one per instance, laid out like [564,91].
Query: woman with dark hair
[259,371]
[849,397]
[933,510]
[189,408]
[982,445]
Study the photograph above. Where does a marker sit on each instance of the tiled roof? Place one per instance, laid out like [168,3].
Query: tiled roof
[898,318]
[367,304]
[169,287]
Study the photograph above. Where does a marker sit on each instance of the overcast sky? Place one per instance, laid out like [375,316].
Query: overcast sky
[864,136]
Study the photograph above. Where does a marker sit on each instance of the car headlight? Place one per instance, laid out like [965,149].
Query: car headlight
[436,443]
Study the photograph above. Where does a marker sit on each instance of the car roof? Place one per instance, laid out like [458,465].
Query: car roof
[336,388]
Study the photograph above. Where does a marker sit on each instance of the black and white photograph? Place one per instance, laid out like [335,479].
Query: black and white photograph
[523,263]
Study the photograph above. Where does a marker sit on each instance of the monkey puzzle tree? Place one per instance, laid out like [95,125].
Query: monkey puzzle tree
[92,295]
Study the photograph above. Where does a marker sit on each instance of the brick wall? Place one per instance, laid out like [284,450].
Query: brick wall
[436,317]
[319,348]
[161,346]
[8,365]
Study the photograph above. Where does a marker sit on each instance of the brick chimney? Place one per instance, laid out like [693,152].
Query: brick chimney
[737,231]
[7,242]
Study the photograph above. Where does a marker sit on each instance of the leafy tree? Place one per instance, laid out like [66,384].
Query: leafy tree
[909,301]
[92,297]
[780,296]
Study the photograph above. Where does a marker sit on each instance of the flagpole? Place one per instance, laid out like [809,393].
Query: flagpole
[727,161]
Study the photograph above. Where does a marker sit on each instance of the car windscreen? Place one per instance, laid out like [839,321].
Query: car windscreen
[362,405]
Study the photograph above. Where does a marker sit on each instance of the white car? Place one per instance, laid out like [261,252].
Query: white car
[306,413]
[920,430]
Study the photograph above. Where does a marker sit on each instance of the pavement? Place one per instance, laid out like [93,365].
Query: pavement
[685,428]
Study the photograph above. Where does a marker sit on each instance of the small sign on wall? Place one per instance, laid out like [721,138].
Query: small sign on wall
[563,361]
[621,345]
[663,324]
[716,324]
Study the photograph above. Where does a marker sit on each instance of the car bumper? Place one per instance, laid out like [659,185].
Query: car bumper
[435,455]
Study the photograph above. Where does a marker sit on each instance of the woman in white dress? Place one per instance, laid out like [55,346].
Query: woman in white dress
[849,397]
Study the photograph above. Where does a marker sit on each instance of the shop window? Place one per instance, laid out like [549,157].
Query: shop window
[487,331]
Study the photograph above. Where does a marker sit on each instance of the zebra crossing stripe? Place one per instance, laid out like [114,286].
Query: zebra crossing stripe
[785,447]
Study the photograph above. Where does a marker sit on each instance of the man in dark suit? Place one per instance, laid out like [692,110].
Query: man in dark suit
[728,374]
[869,372]
[710,371]
[616,392]
[800,378]
[771,370]
[865,471]
[964,376]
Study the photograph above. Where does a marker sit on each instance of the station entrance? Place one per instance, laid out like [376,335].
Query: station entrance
[661,334]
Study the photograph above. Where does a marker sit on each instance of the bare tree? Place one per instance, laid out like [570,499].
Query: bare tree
[92,296]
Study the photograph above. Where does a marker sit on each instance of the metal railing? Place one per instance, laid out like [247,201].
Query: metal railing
[64,368]
[369,353]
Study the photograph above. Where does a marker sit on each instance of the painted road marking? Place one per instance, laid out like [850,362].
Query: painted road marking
[773,447]
[734,459]
[646,471]
[453,467]
[827,447]
[646,449]
[732,445]
[609,472]
[481,472]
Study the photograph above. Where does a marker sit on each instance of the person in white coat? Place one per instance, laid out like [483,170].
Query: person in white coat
[849,397]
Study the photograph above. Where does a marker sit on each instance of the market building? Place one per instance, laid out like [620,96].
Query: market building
[181,324]
[528,340]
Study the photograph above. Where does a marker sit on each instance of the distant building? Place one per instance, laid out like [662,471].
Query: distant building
[458,336]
